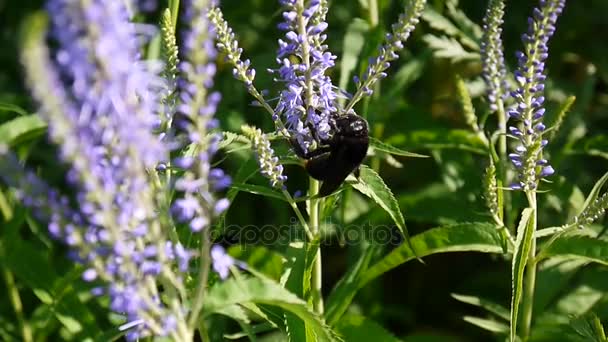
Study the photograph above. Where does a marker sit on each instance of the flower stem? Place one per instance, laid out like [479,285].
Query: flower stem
[13,293]
[530,277]
[295,208]
[502,155]
[314,205]
[203,276]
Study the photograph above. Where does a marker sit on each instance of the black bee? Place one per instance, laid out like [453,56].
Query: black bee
[339,155]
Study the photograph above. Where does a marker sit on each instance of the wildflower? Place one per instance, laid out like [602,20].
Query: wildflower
[197,105]
[221,261]
[528,109]
[492,56]
[308,100]
[269,163]
[100,101]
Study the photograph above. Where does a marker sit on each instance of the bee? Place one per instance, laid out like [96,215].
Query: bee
[339,155]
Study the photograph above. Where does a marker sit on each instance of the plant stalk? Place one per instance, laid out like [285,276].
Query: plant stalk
[203,277]
[530,277]
[26,331]
[314,218]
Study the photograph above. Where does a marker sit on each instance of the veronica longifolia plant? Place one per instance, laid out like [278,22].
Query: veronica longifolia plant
[101,101]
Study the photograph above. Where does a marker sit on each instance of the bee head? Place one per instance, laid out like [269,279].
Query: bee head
[351,125]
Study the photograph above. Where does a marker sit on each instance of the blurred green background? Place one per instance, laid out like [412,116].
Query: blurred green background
[415,108]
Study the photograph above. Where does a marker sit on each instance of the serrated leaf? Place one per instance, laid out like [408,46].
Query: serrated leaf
[490,306]
[386,148]
[523,245]
[258,190]
[472,237]
[586,248]
[372,185]
[263,291]
[487,324]
[464,237]
[356,328]
[445,47]
[21,128]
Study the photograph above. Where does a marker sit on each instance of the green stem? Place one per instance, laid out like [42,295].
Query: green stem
[373,13]
[13,293]
[530,277]
[502,169]
[295,208]
[314,205]
[203,276]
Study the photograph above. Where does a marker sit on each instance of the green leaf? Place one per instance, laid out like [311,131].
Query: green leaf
[354,39]
[586,248]
[263,291]
[487,324]
[593,194]
[439,139]
[386,148]
[371,185]
[472,237]
[21,128]
[490,306]
[258,190]
[523,245]
[347,287]
[449,48]
[589,327]
[464,237]
[9,107]
[594,146]
[264,260]
[355,328]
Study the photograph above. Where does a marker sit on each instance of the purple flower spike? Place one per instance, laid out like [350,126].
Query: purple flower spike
[528,108]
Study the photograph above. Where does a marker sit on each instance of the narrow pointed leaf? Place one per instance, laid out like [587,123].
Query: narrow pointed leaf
[464,237]
[258,190]
[21,128]
[386,148]
[523,244]
[372,185]
[490,306]
[585,248]
[263,291]
[487,324]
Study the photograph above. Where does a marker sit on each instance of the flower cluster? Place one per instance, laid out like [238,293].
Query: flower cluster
[228,44]
[269,163]
[308,99]
[492,56]
[100,100]
[528,109]
[387,53]
[197,106]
